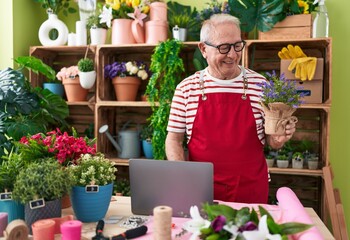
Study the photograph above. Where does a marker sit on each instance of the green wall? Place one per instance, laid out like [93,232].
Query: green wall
[21,32]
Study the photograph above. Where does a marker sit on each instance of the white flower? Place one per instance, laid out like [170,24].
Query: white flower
[134,70]
[106,16]
[142,74]
[233,229]
[262,233]
[128,66]
[194,226]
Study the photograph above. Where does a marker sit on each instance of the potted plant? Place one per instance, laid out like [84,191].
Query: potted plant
[87,73]
[183,21]
[40,188]
[313,161]
[71,82]
[282,160]
[98,30]
[161,88]
[146,137]
[270,160]
[298,160]
[280,99]
[92,180]
[121,187]
[126,78]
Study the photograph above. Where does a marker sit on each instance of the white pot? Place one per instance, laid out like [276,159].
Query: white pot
[179,33]
[87,79]
[313,163]
[298,163]
[98,36]
[270,162]
[282,163]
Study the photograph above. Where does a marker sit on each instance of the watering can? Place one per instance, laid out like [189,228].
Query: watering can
[128,144]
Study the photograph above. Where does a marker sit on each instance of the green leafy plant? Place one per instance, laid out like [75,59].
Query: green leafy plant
[57,6]
[146,132]
[122,186]
[92,169]
[38,180]
[93,21]
[185,17]
[298,156]
[25,109]
[167,68]
[86,65]
[282,156]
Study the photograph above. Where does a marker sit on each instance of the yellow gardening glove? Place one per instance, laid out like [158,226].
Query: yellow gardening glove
[305,67]
[291,52]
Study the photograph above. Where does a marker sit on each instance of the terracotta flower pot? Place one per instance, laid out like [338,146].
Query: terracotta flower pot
[74,91]
[121,32]
[126,87]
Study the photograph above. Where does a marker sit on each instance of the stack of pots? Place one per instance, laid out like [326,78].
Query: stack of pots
[157,26]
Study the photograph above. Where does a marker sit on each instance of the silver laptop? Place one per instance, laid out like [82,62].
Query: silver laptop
[178,184]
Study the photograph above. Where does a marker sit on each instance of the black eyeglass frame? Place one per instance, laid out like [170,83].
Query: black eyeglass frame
[227,44]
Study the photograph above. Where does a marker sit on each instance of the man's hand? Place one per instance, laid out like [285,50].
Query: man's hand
[277,141]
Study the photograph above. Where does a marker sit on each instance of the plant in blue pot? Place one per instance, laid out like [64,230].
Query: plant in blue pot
[92,180]
[146,138]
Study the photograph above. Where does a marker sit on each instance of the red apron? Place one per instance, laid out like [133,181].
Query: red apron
[224,133]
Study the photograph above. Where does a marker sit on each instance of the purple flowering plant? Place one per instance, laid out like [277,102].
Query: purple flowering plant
[279,89]
[213,7]
[123,69]
[245,224]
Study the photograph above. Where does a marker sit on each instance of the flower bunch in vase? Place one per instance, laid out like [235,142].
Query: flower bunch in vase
[280,99]
[65,148]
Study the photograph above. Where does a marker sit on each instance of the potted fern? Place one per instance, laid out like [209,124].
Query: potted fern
[87,73]
[40,188]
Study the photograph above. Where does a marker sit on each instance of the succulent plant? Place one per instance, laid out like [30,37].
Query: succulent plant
[86,65]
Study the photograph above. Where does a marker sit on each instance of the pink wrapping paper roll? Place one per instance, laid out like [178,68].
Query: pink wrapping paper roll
[3,222]
[293,211]
[44,229]
[71,230]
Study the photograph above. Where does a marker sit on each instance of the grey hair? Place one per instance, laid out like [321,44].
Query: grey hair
[209,26]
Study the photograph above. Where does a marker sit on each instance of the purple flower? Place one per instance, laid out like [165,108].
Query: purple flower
[249,226]
[218,223]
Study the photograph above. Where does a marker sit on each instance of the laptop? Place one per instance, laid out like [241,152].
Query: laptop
[177,184]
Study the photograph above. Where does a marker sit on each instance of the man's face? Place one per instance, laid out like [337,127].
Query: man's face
[223,66]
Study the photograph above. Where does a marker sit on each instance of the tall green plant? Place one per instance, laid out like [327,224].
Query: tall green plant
[167,68]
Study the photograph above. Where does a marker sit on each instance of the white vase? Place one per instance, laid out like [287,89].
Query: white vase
[270,162]
[297,163]
[53,23]
[282,163]
[86,8]
[87,79]
[98,36]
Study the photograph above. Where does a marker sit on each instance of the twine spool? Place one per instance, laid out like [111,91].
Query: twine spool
[16,230]
[44,229]
[162,222]
[71,230]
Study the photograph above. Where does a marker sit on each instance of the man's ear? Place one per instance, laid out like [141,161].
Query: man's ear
[202,47]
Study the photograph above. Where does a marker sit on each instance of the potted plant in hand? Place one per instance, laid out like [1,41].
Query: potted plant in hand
[92,180]
[146,137]
[87,73]
[40,188]
[280,99]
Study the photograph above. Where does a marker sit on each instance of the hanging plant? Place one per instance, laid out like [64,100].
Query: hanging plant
[167,68]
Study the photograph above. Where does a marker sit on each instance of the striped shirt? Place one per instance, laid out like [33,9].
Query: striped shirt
[185,101]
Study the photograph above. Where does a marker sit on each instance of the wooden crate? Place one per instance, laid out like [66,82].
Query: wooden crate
[307,188]
[262,56]
[292,27]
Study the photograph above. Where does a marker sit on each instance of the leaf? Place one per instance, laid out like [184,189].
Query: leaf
[294,227]
[37,66]
[257,13]
[214,210]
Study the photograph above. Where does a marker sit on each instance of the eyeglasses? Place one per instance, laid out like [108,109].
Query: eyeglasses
[226,47]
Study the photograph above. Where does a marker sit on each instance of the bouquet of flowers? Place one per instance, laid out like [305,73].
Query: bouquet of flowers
[96,170]
[226,223]
[62,146]
[294,7]
[212,8]
[70,72]
[123,69]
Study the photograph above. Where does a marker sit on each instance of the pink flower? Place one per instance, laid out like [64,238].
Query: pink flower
[71,72]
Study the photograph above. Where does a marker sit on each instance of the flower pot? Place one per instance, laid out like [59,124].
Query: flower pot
[53,23]
[282,163]
[87,79]
[158,11]
[312,163]
[74,90]
[298,163]
[156,31]
[14,209]
[52,209]
[147,148]
[277,116]
[180,33]
[121,32]
[270,162]
[98,36]
[126,87]
[65,201]
[91,206]
[56,88]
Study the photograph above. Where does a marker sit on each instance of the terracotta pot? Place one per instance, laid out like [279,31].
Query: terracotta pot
[126,87]
[65,201]
[158,11]
[121,32]
[156,31]
[74,90]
